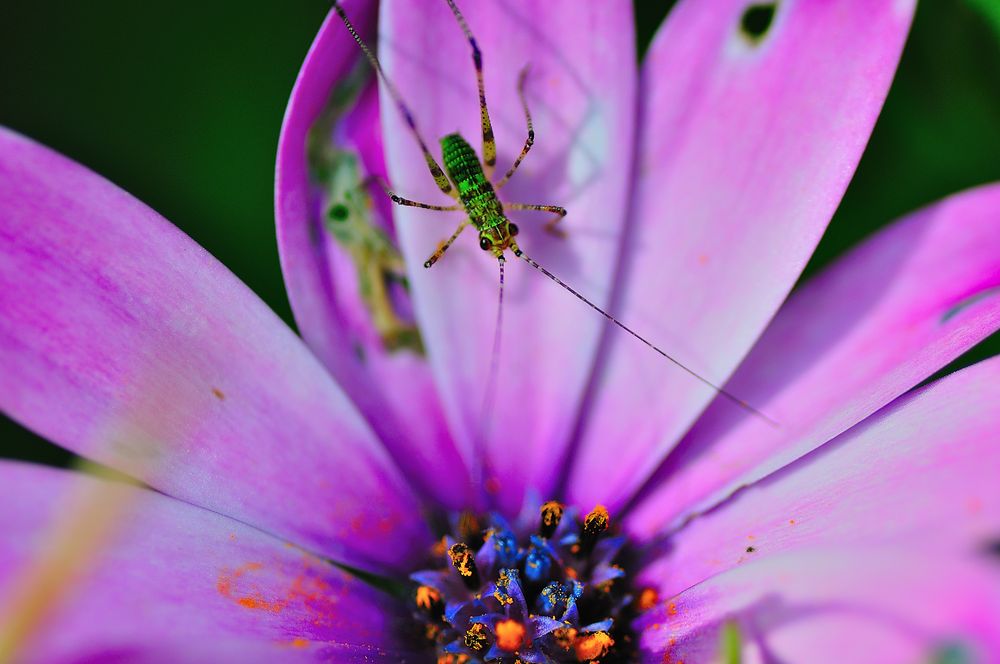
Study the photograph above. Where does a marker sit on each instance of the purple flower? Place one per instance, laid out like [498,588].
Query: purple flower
[859,530]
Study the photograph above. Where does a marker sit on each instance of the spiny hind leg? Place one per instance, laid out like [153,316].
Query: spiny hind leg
[439,177]
[489,141]
[406,202]
[551,226]
[443,247]
[531,129]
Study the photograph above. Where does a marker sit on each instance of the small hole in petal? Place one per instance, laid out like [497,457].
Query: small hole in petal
[757,20]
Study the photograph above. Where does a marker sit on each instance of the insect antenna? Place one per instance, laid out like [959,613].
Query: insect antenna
[439,177]
[492,378]
[718,389]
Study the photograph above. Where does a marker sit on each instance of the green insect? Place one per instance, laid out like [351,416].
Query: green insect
[468,179]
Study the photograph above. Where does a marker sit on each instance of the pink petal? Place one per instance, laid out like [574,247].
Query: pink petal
[394,391]
[921,472]
[581,93]
[168,571]
[859,605]
[124,341]
[878,322]
[208,648]
[745,151]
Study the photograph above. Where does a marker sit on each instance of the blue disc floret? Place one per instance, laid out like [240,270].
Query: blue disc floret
[552,587]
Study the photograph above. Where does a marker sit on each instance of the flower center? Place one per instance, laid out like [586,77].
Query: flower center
[551,589]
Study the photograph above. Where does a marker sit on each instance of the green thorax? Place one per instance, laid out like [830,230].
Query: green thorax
[475,191]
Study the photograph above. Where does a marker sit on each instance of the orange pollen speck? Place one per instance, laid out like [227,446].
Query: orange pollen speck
[597,521]
[564,637]
[510,635]
[592,646]
[427,597]
[453,659]
[648,599]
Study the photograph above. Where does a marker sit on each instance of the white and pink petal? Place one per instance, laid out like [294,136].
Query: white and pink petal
[582,98]
[124,341]
[861,605]
[880,320]
[167,577]
[920,475]
[394,390]
[747,141]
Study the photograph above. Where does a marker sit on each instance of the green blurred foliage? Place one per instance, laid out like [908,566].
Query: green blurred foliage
[181,103]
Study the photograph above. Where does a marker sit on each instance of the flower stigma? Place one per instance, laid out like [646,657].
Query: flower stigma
[551,588]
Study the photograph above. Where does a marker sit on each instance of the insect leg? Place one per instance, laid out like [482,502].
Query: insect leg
[444,245]
[406,202]
[439,177]
[489,142]
[550,226]
[531,130]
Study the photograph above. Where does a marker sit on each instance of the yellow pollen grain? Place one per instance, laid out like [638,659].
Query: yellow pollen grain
[510,635]
[461,558]
[592,646]
[475,637]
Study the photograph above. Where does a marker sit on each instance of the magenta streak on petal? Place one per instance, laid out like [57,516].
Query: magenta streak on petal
[124,341]
[863,605]
[920,474]
[581,93]
[745,151]
[395,392]
[883,318]
[170,571]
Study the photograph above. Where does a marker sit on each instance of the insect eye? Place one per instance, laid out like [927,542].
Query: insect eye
[485,243]
[338,212]
[513,229]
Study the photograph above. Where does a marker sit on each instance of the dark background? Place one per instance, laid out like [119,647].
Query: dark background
[180,103]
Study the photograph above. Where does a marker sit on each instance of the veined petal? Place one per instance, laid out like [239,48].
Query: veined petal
[125,342]
[921,474]
[394,391]
[746,147]
[859,605]
[876,323]
[165,571]
[581,93]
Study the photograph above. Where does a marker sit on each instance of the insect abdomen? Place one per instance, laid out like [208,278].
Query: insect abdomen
[476,192]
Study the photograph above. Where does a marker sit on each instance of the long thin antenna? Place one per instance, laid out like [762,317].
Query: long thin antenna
[729,395]
[439,177]
[489,396]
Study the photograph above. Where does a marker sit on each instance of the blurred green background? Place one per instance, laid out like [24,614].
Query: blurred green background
[180,103]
